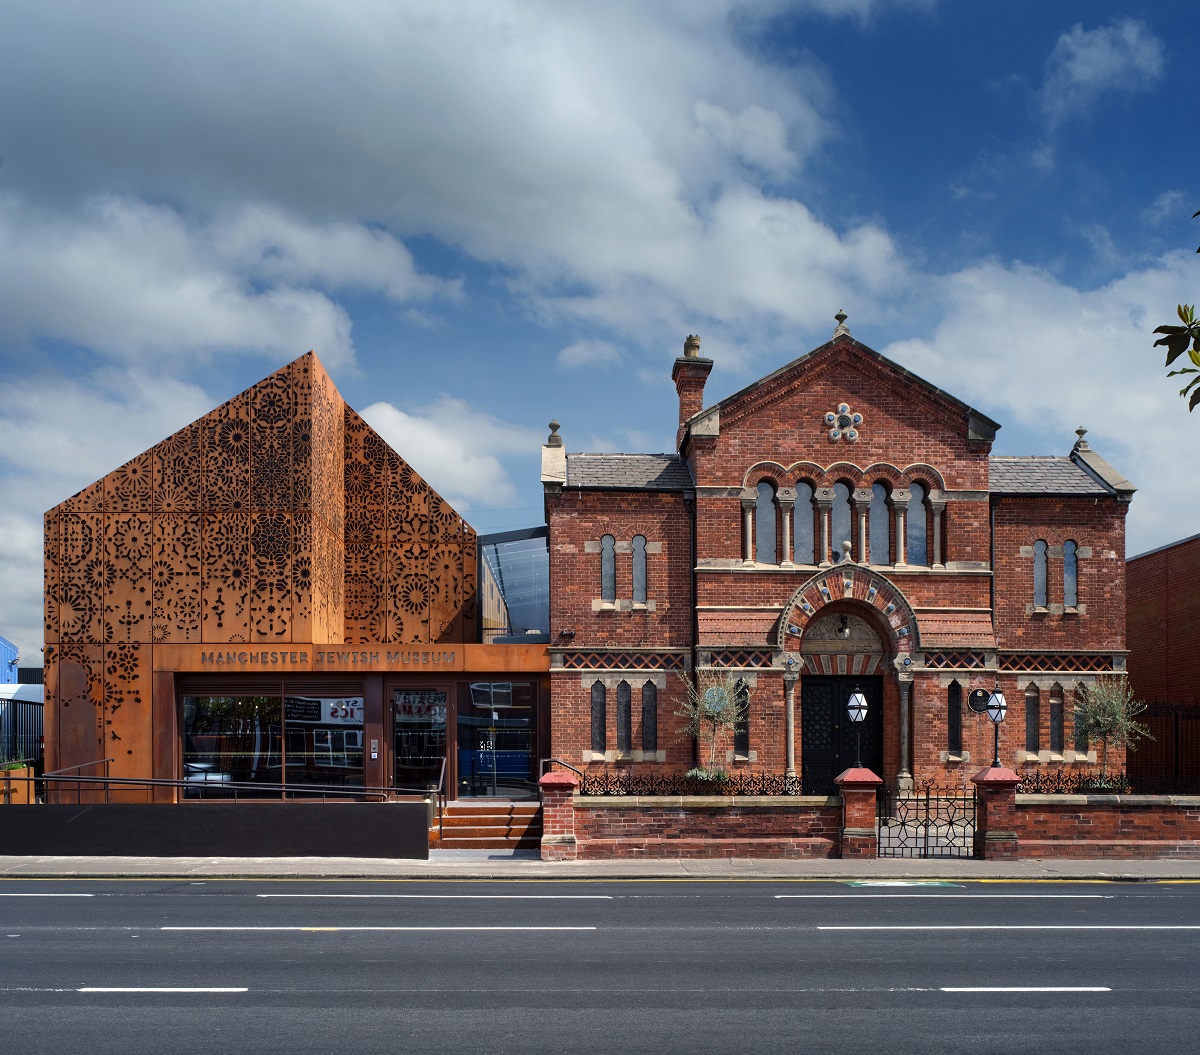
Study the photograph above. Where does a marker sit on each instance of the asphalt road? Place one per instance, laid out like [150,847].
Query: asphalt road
[133,966]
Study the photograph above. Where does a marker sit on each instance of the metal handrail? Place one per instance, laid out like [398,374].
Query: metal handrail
[56,773]
[441,797]
[261,788]
[551,761]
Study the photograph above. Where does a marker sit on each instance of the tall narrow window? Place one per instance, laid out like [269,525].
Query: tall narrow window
[599,717]
[624,717]
[649,717]
[1039,574]
[880,526]
[1033,719]
[741,731]
[639,569]
[608,568]
[954,719]
[765,520]
[914,541]
[1057,720]
[802,525]
[1070,576]
[841,523]
[1081,737]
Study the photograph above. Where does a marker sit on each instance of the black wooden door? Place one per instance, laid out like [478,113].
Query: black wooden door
[827,736]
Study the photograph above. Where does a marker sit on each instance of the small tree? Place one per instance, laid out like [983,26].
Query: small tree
[714,705]
[1107,712]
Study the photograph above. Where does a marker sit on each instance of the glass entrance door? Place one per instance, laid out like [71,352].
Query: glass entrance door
[496,756]
[419,718]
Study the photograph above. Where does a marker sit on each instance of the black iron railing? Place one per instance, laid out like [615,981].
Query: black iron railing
[1075,782]
[623,782]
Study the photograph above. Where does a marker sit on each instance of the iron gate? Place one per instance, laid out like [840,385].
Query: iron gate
[929,821]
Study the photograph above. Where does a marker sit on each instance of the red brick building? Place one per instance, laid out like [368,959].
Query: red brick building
[838,525]
[1164,622]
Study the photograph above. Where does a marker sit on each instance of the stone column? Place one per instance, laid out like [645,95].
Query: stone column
[785,498]
[937,557]
[900,507]
[860,837]
[749,501]
[789,697]
[558,815]
[996,836]
[824,501]
[904,778]
[862,506]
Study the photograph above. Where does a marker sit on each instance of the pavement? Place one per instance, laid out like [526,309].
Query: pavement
[472,864]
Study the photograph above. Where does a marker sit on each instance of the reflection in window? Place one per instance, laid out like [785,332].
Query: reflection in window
[324,739]
[495,741]
[765,524]
[841,524]
[954,719]
[1070,576]
[599,717]
[741,730]
[608,568]
[232,739]
[1033,719]
[419,720]
[624,717]
[802,525]
[1039,573]
[914,542]
[879,526]
[1057,720]
[649,717]
[639,569]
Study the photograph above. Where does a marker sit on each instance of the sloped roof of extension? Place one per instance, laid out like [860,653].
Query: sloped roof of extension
[1083,472]
[629,472]
[982,426]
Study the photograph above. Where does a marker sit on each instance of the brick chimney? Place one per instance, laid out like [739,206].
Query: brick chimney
[689,375]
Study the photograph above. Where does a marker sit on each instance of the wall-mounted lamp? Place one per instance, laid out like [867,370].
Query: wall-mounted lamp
[843,628]
[566,633]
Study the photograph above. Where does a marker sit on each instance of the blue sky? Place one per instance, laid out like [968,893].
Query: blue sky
[483,215]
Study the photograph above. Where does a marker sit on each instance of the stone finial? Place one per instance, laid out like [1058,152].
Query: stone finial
[691,347]
[842,330]
[554,439]
[1081,444]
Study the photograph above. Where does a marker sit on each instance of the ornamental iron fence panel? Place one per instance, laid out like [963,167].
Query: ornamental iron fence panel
[1074,782]
[929,821]
[623,782]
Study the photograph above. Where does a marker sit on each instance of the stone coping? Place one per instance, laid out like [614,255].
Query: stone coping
[1182,801]
[703,801]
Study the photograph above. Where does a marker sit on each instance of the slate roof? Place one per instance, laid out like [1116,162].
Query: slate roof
[626,472]
[1042,475]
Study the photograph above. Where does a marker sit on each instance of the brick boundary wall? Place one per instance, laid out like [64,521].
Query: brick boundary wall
[1107,826]
[708,827]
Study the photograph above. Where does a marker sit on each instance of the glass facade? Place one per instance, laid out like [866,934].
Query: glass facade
[495,741]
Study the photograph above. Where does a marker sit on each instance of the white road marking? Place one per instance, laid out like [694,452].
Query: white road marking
[47,895]
[1024,926]
[163,989]
[459,897]
[1026,989]
[855,897]
[373,928]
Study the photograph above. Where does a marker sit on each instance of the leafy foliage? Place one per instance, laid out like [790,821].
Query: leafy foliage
[713,706]
[1176,340]
[1108,713]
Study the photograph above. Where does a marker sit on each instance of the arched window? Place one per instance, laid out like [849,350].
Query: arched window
[765,521]
[624,717]
[1057,720]
[1081,737]
[879,526]
[741,730]
[802,525]
[1039,573]
[599,717]
[649,717]
[954,719]
[914,532]
[1070,576]
[1033,719]
[608,569]
[639,569]
[841,523]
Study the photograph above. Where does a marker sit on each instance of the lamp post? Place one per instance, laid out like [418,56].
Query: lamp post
[857,706]
[997,707]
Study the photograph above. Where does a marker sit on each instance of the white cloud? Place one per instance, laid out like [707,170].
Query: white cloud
[1087,65]
[1169,207]
[590,353]
[454,446]
[756,136]
[1026,348]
